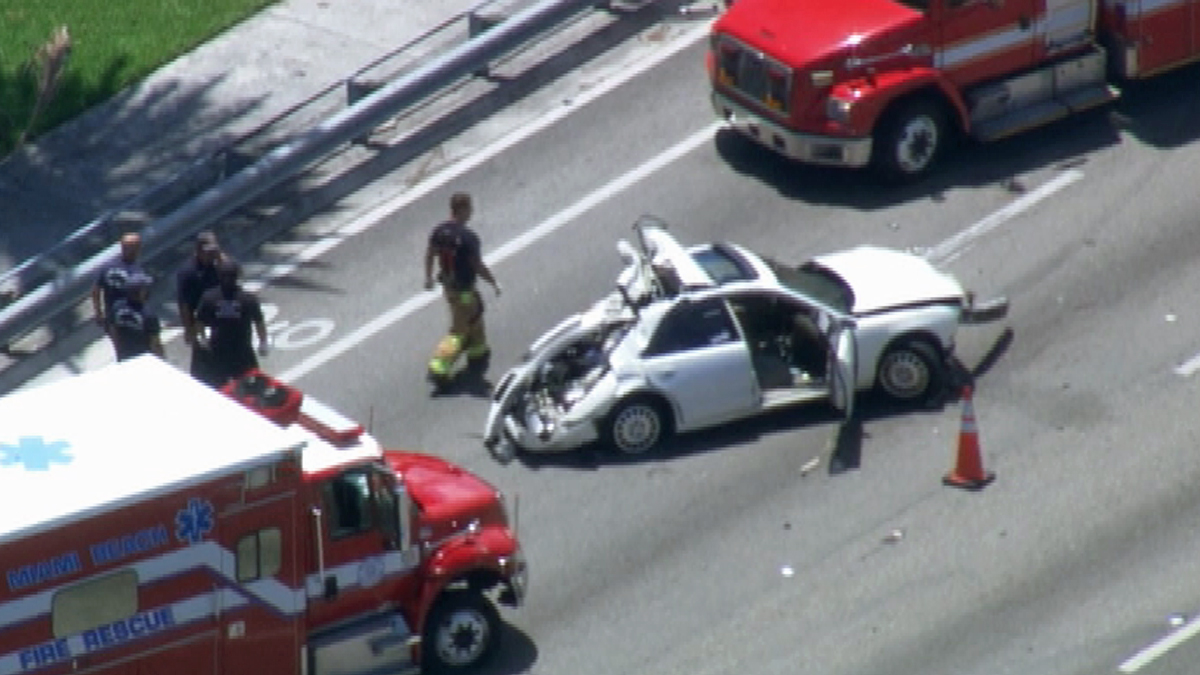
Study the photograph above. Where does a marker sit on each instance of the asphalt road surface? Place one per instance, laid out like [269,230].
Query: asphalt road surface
[730,553]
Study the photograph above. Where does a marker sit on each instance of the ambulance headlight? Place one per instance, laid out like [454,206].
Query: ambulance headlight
[838,109]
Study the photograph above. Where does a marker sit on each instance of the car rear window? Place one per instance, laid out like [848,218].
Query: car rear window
[816,282]
[723,264]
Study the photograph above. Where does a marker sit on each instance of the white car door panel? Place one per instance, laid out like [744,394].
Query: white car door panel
[697,357]
[710,384]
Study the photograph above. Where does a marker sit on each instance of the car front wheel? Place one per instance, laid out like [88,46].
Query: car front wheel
[911,372]
[638,425]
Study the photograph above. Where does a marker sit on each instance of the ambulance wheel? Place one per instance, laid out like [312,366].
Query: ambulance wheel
[638,425]
[462,633]
[909,140]
[910,371]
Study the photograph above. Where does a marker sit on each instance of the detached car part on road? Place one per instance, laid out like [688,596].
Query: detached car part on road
[697,337]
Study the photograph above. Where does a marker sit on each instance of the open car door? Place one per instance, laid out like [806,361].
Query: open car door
[843,366]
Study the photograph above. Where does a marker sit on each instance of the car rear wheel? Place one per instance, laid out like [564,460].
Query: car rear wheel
[911,371]
[638,425]
[462,633]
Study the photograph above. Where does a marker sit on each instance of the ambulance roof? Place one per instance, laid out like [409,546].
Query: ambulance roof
[119,435]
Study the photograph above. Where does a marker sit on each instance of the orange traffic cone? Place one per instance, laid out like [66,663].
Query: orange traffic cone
[968,472]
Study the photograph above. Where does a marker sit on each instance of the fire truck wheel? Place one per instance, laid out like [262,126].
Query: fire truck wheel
[463,632]
[910,371]
[909,140]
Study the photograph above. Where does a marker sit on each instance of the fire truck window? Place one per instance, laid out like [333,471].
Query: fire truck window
[385,508]
[94,603]
[348,499]
[259,554]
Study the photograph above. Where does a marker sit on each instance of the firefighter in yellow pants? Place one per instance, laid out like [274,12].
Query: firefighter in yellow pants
[456,248]
[467,334]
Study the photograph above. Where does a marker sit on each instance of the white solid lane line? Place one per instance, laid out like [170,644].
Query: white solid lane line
[381,212]
[507,250]
[953,247]
[1189,367]
[949,249]
[1166,644]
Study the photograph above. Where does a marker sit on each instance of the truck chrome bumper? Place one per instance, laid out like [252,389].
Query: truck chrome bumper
[807,148]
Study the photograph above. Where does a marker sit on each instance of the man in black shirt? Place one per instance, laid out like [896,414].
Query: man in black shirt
[196,277]
[135,329]
[110,283]
[229,313]
[457,250]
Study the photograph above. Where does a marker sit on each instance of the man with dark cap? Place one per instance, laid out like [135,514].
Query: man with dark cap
[135,329]
[196,277]
[110,283]
[228,314]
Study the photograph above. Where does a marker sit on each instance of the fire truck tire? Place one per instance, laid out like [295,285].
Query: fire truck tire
[461,634]
[909,140]
[638,425]
[911,372]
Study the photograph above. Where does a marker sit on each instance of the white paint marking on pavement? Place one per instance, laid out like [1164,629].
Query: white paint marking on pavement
[380,212]
[953,247]
[508,249]
[1166,644]
[1189,367]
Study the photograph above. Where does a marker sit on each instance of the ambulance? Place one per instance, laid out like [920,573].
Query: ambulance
[149,524]
[886,83]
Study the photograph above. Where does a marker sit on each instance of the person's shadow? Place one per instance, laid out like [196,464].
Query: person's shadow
[465,382]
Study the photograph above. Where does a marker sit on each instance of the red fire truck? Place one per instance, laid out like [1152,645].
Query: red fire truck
[887,82]
[149,524]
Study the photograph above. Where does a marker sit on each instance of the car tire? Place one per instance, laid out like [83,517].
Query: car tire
[909,140]
[911,372]
[461,634]
[638,425]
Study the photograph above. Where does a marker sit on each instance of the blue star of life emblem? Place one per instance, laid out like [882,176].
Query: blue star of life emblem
[35,453]
[194,521]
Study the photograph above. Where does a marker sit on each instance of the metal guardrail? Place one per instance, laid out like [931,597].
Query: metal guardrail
[219,184]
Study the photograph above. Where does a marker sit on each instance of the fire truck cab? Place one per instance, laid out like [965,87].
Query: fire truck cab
[886,83]
[149,524]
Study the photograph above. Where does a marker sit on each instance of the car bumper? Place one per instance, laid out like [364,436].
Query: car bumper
[807,148]
[530,437]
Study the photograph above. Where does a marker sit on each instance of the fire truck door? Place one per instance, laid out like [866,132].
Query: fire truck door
[983,39]
[260,620]
[1164,32]
[360,567]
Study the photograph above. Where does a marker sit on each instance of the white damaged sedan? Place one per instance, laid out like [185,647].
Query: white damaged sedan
[696,337]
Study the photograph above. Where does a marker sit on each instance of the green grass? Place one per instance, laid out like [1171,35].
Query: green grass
[115,43]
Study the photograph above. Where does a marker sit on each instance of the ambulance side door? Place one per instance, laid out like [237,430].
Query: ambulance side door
[261,619]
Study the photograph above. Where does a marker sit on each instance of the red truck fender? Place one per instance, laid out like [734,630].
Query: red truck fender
[471,560]
[875,93]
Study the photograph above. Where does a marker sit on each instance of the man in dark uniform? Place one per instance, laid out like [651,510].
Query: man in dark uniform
[229,314]
[457,250]
[135,329]
[196,277]
[110,283]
